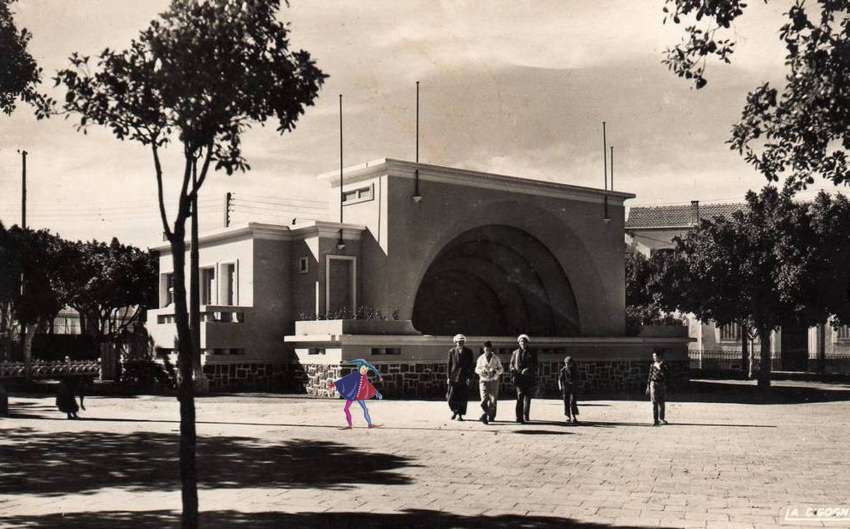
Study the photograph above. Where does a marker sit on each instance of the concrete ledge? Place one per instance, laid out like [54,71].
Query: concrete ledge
[355,327]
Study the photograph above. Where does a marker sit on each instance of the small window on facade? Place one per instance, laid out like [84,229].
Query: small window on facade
[207,286]
[386,351]
[361,194]
[844,332]
[227,295]
[168,280]
[731,332]
[303,265]
[316,351]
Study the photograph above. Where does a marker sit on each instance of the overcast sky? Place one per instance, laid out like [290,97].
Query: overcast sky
[514,87]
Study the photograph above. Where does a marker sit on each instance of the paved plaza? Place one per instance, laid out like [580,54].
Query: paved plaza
[269,461]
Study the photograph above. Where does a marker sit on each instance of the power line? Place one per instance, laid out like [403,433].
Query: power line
[250,196]
[270,208]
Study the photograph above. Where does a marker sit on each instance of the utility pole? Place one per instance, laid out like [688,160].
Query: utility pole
[228,198]
[24,189]
[26,352]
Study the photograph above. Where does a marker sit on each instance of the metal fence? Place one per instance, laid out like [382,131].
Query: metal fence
[731,362]
[726,361]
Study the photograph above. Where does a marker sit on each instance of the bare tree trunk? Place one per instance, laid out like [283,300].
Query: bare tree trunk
[195,290]
[27,334]
[745,353]
[821,352]
[188,435]
[764,358]
[30,331]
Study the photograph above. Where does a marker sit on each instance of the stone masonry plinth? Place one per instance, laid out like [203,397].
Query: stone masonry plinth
[428,380]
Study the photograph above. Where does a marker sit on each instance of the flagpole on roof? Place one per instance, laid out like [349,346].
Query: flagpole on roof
[417,197]
[340,245]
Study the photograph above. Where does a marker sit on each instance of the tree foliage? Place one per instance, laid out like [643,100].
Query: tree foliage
[800,131]
[109,285]
[35,259]
[775,262]
[642,306]
[19,73]
[818,256]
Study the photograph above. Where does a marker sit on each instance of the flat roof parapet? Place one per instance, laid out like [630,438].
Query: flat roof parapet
[470,178]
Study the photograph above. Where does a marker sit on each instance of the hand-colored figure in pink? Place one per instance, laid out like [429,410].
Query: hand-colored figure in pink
[356,387]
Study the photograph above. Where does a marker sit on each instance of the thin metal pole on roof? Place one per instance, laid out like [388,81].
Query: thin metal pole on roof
[340,244]
[612,168]
[416,196]
[604,156]
[340,158]
[605,216]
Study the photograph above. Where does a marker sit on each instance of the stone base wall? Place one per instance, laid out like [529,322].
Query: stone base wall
[428,380]
[281,378]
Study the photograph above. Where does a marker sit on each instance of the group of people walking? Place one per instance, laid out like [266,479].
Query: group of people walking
[523,370]
[523,367]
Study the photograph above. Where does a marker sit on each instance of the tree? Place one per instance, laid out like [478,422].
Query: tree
[10,273]
[110,286]
[32,297]
[199,75]
[820,256]
[19,73]
[641,308]
[740,270]
[801,131]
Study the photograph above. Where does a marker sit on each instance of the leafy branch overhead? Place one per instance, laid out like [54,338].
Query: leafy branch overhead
[19,73]
[798,132]
[203,71]
[688,58]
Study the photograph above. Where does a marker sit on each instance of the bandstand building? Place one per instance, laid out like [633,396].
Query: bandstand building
[424,252]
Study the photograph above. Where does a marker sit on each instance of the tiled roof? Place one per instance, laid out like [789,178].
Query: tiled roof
[676,216]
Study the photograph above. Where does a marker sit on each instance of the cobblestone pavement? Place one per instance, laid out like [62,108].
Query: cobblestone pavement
[269,461]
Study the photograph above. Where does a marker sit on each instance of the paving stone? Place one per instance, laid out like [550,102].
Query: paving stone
[725,465]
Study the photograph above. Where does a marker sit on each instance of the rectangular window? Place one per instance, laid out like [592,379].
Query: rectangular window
[207,286]
[731,332]
[227,294]
[361,194]
[167,289]
[844,332]
[340,281]
[385,351]
[303,265]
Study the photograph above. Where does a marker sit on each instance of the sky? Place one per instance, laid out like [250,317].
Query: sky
[512,87]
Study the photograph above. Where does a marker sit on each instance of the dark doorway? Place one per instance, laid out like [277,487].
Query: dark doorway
[795,347]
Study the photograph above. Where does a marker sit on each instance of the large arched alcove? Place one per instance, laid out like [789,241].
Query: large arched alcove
[494,281]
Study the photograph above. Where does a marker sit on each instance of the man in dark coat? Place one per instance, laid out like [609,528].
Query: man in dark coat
[524,371]
[460,369]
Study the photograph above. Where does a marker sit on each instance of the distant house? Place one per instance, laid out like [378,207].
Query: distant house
[652,228]
[66,322]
